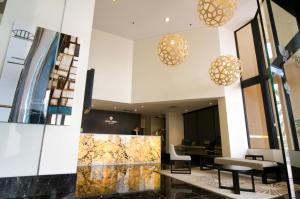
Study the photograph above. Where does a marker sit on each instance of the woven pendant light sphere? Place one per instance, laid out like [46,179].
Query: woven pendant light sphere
[225,70]
[216,13]
[172,49]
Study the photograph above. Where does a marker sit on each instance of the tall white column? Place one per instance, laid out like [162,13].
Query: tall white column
[174,129]
[231,107]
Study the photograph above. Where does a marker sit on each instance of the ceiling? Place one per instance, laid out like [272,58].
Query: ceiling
[155,108]
[138,19]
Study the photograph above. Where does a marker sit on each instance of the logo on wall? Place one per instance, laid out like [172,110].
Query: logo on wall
[111,121]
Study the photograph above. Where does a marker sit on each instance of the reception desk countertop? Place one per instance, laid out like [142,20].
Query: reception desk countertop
[103,149]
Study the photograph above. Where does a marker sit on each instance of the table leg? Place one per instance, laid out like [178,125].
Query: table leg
[201,163]
[236,183]
[252,179]
[219,177]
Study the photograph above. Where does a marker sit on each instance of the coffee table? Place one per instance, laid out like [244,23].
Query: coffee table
[236,170]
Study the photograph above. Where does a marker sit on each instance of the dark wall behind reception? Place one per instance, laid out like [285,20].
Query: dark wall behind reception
[202,125]
[94,122]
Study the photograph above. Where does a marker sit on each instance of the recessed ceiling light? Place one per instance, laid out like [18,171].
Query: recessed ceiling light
[114,0]
[167,19]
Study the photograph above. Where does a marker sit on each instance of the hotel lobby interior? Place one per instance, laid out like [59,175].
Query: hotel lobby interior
[160,99]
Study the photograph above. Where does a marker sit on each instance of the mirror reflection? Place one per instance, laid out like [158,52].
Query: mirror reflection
[38,77]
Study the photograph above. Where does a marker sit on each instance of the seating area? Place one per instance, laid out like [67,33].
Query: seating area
[260,166]
[252,165]
[174,157]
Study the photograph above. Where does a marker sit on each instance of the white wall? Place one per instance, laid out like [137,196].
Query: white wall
[21,143]
[174,129]
[14,10]
[225,139]
[154,81]
[20,146]
[231,108]
[156,124]
[131,72]
[60,149]
[111,56]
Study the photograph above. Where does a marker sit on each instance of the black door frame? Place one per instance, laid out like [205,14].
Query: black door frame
[262,80]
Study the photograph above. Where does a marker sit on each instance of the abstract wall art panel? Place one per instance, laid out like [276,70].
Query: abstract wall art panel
[38,76]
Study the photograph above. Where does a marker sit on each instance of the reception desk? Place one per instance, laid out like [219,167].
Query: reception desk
[100,149]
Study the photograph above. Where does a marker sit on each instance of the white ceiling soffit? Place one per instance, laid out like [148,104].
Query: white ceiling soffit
[155,108]
[139,19]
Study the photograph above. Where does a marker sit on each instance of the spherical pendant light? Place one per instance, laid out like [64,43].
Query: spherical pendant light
[172,49]
[225,70]
[216,13]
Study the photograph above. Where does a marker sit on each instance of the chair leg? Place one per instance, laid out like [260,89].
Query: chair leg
[264,177]
[186,170]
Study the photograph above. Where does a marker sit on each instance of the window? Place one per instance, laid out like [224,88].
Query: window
[256,92]
[292,72]
[247,52]
[256,119]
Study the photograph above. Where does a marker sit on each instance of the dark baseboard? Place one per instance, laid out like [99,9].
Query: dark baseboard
[37,186]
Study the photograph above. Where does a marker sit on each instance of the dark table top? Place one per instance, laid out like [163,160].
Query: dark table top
[234,168]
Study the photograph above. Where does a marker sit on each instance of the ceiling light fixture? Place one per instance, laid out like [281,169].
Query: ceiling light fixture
[167,19]
[172,49]
[225,70]
[216,13]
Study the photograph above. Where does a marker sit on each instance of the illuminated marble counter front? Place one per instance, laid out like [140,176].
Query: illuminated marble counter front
[100,149]
[108,180]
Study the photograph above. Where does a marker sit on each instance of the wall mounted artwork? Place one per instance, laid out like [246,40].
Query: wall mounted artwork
[38,76]
[2,8]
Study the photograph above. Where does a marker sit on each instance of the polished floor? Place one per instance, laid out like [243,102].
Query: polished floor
[111,182]
[142,181]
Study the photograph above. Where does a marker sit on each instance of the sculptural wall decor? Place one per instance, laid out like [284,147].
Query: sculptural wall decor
[38,77]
